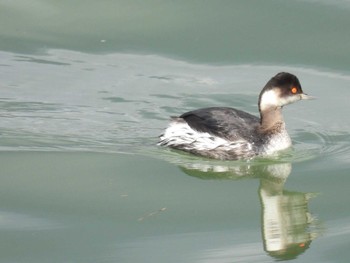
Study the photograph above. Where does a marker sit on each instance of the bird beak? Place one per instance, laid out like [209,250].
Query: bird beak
[304,96]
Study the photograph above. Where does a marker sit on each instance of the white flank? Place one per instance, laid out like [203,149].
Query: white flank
[179,133]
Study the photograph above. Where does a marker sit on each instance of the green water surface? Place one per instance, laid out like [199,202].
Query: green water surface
[86,87]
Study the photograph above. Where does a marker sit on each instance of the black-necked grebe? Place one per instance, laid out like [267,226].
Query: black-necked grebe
[230,134]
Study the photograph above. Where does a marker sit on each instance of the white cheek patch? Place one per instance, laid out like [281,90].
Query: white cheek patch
[290,99]
[268,99]
[271,98]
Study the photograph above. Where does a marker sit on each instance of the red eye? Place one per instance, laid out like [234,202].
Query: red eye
[294,90]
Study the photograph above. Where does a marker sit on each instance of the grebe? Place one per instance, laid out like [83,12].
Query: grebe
[229,134]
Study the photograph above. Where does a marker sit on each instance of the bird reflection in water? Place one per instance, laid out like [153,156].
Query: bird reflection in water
[287,226]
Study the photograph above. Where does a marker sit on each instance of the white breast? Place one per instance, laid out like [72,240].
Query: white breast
[278,142]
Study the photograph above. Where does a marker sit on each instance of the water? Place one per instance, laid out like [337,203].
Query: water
[86,88]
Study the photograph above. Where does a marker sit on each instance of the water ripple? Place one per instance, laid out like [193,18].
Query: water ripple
[124,107]
[322,144]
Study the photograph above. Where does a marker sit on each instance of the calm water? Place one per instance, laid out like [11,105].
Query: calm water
[86,88]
